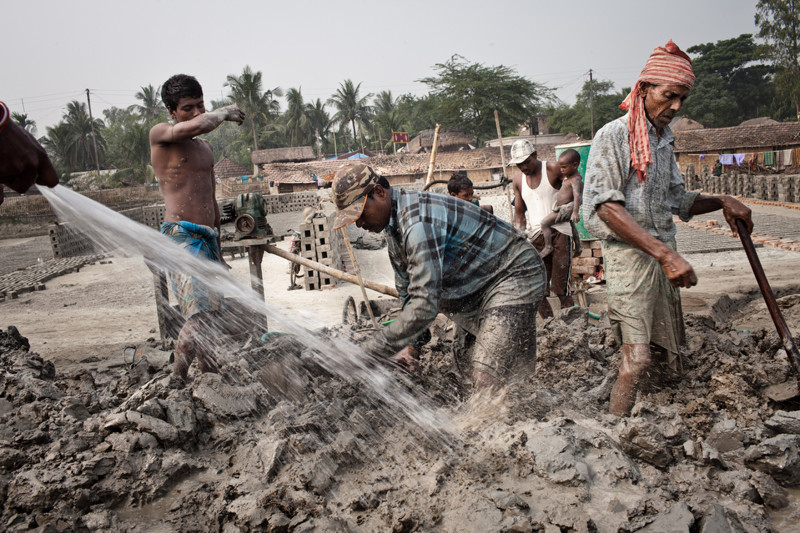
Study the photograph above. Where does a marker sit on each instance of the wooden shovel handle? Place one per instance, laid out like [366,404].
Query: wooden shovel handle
[769,296]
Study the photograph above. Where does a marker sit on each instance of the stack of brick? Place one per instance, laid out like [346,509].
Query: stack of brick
[319,243]
[590,262]
[69,242]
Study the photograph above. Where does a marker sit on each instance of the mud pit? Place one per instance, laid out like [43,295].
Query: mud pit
[276,443]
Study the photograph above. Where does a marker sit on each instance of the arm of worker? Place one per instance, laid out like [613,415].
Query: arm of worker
[519,203]
[678,270]
[577,197]
[731,210]
[397,259]
[423,249]
[165,133]
[23,161]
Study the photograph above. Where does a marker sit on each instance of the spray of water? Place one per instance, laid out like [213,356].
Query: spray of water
[111,231]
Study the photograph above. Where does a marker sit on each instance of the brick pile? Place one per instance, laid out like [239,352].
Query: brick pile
[33,278]
[590,262]
[321,244]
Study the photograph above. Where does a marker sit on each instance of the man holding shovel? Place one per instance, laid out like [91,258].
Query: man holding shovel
[452,257]
[633,188]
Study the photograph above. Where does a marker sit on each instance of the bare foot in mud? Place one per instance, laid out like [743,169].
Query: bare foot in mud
[408,358]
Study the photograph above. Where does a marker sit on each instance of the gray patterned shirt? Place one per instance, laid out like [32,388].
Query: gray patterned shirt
[611,178]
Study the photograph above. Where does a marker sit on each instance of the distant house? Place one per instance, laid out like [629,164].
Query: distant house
[294,154]
[772,143]
[481,165]
[228,168]
[449,141]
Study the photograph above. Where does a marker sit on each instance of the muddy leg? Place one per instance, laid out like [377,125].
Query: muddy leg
[194,340]
[547,233]
[632,373]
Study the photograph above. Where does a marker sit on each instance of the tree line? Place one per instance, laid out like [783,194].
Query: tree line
[737,79]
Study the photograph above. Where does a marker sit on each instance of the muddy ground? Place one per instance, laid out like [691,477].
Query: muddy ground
[94,437]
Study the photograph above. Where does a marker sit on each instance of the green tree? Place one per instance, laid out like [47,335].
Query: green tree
[259,106]
[127,143]
[80,153]
[778,24]
[387,117]
[471,92]
[297,122]
[24,122]
[732,84]
[151,110]
[319,122]
[57,144]
[351,107]
[598,96]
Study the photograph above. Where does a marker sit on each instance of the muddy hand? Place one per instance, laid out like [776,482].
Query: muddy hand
[679,271]
[733,209]
[234,114]
[408,358]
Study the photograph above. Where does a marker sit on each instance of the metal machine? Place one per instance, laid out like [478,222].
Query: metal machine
[251,217]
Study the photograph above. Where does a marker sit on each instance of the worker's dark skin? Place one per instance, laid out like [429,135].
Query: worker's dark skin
[661,104]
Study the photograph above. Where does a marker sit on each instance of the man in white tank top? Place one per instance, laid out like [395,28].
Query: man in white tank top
[535,198]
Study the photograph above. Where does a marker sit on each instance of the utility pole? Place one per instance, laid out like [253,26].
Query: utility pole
[94,141]
[591,102]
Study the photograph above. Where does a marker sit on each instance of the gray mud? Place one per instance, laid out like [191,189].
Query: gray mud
[276,443]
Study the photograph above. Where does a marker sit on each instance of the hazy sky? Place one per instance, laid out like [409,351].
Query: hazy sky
[54,50]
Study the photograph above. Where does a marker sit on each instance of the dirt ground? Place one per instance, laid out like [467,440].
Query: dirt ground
[94,437]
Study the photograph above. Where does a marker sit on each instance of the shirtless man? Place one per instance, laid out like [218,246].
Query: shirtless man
[535,189]
[184,167]
[568,202]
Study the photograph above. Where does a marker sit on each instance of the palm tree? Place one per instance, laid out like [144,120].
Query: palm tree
[24,122]
[151,109]
[80,154]
[350,106]
[297,123]
[56,142]
[258,105]
[387,116]
[319,122]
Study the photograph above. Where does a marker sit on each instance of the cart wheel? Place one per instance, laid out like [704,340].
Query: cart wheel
[349,313]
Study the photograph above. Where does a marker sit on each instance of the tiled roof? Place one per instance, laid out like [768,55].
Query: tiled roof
[227,168]
[758,137]
[394,165]
[272,155]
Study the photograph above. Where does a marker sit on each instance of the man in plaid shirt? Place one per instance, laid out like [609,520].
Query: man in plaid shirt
[452,257]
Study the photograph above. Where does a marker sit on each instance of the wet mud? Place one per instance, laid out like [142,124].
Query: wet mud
[277,443]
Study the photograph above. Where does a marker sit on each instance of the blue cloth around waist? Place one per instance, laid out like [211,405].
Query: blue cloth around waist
[200,241]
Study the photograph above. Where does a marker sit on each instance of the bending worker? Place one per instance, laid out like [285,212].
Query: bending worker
[453,257]
[633,188]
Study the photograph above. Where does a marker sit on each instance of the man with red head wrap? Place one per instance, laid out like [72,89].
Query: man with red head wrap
[633,187]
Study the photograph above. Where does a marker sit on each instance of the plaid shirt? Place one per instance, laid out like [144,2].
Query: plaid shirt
[611,178]
[447,254]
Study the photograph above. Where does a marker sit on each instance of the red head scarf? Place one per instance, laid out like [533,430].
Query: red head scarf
[667,65]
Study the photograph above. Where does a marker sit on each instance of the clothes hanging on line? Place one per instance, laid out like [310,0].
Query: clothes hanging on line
[726,159]
[739,159]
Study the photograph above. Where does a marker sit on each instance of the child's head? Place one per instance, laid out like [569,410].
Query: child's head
[569,161]
[460,186]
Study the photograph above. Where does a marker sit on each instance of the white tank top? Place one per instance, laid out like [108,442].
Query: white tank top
[539,203]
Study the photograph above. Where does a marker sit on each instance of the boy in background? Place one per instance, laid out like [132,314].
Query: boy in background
[568,202]
[461,186]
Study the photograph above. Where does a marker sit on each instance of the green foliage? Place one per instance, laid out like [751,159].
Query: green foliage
[732,84]
[151,110]
[578,118]
[351,107]
[24,122]
[70,142]
[469,93]
[778,24]
[259,106]
[128,147]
